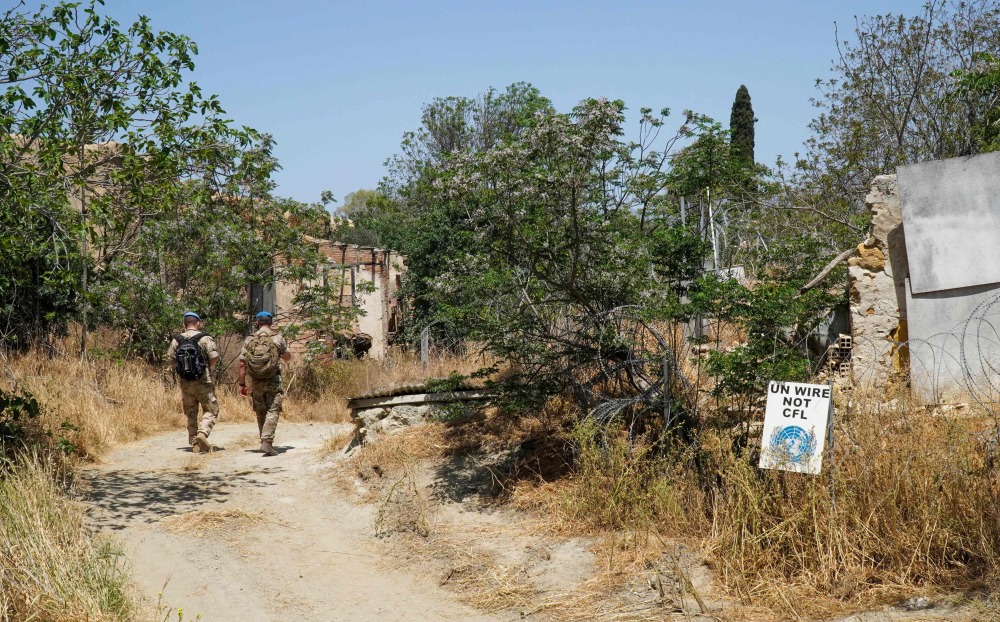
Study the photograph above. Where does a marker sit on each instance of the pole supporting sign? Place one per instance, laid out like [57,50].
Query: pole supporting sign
[795,426]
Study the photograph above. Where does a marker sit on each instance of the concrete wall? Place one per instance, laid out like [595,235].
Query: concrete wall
[952,216]
[954,344]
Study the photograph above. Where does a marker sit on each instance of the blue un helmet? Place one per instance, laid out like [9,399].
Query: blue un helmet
[265,317]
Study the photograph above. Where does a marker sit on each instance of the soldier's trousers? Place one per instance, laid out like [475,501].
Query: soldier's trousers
[267,407]
[193,394]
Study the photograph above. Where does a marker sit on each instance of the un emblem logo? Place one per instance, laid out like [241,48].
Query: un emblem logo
[792,444]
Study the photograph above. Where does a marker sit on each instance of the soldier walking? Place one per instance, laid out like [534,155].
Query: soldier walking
[261,358]
[193,354]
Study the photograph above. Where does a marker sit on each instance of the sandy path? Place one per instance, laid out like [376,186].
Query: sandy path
[312,558]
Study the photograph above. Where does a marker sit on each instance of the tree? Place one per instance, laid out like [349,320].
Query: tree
[409,216]
[892,101]
[99,119]
[741,127]
[981,85]
[358,204]
[565,251]
[125,193]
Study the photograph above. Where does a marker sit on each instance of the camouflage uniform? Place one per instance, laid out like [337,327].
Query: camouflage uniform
[266,395]
[201,391]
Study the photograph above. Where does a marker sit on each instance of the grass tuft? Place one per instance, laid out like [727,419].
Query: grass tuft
[51,568]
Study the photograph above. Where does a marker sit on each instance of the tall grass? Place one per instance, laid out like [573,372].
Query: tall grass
[617,484]
[50,567]
[100,403]
[908,502]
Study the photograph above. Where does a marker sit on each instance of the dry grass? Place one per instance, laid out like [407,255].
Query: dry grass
[201,520]
[327,385]
[910,507]
[379,464]
[615,485]
[481,578]
[51,568]
[108,402]
[910,503]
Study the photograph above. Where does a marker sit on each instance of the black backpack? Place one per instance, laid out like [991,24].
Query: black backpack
[190,360]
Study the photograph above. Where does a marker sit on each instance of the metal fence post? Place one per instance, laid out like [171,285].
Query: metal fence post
[425,338]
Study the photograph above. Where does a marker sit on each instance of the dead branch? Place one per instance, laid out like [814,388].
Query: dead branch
[827,269]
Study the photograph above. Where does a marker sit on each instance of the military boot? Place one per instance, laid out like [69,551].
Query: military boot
[267,449]
[200,444]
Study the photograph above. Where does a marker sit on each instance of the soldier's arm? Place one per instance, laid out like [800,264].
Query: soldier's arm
[172,350]
[283,348]
[213,351]
[241,371]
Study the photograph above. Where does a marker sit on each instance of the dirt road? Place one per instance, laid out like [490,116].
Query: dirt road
[235,536]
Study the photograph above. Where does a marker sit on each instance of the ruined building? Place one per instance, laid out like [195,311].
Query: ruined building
[925,286]
[370,278]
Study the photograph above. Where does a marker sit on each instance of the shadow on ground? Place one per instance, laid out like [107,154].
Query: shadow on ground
[469,472]
[463,476]
[121,497]
[278,448]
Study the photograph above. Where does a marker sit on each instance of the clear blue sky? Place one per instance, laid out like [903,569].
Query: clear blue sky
[337,83]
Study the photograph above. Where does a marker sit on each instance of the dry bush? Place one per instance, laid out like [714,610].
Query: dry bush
[50,567]
[107,402]
[910,505]
[618,484]
[394,455]
[405,508]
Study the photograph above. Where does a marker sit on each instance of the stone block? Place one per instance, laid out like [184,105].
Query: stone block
[870,258]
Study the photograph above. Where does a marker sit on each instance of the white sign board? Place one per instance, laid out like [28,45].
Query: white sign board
[795,426]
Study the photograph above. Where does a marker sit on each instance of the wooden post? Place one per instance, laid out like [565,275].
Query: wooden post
[830,445]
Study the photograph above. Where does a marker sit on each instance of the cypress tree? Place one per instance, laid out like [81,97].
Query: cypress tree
[741,122]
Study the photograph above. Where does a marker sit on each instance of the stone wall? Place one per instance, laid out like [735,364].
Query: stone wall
[878,286]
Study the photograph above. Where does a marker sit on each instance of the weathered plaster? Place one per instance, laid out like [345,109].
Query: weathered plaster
[875,294]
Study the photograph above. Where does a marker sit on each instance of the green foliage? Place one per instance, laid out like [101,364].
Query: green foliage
[21,427]
[18,418]
[774,318]
[981,85]
[38,285]
[532,243]
[409,215]
[126,194]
